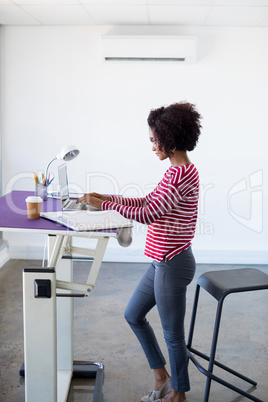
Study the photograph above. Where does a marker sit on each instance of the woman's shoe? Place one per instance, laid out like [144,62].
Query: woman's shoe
[157,395]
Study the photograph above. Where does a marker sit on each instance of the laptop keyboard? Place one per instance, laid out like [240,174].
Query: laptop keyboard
[75,205]
[78,206]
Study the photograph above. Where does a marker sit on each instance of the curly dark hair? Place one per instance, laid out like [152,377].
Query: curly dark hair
[176,126]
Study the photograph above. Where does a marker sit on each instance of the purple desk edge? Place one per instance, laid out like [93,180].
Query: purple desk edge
[13,214]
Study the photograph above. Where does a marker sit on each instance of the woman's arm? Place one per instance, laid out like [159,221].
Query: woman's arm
[96,200]
[151,210]
[182,185]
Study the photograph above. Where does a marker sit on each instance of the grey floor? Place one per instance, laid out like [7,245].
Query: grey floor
[101,334]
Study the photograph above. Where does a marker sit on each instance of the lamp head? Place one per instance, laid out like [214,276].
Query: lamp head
[68,153]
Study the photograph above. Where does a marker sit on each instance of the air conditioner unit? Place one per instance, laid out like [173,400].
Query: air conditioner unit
[149,48]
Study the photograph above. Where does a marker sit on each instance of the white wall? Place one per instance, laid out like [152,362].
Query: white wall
[56,90]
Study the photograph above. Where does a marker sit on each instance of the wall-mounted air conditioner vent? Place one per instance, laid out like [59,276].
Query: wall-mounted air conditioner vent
[149,48]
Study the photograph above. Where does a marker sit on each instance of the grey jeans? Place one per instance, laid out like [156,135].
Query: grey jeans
[164,285]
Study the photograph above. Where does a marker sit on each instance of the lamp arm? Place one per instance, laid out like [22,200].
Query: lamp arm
[46,171]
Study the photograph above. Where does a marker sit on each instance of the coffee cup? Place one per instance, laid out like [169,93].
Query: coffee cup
[33,207]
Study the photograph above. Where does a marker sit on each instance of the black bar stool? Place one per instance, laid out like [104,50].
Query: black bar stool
[220,284]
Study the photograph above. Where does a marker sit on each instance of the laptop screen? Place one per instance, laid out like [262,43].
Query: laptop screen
[63,182]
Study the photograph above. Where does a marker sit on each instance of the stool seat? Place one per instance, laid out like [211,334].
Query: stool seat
[221,283]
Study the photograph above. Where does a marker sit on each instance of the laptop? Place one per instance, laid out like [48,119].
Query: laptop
[66,203]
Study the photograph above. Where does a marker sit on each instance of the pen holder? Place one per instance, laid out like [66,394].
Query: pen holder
[41,191]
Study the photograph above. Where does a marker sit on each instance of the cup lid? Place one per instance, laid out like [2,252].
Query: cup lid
[33,198]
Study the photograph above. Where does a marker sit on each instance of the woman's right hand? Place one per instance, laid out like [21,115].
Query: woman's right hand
[94,199]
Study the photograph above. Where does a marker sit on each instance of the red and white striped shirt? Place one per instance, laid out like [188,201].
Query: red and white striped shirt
[170,210]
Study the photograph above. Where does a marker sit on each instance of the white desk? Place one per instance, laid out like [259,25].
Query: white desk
[48,313]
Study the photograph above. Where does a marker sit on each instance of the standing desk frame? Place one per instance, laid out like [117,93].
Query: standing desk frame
[48,321]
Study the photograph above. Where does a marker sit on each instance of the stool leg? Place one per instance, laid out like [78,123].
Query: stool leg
[192,324]
[213,348]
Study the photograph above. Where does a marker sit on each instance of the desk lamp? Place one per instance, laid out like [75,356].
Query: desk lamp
[67,153]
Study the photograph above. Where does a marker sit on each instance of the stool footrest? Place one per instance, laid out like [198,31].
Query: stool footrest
[223,367]
[212,376]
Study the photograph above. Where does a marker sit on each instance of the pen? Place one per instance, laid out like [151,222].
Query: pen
[50,181]
[35,178]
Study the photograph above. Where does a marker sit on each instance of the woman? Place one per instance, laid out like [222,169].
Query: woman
[171,213]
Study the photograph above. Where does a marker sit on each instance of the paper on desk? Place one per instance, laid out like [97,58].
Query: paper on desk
[88,220]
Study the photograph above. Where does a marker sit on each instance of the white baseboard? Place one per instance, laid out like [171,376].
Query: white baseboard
[120,254]
[4,254]
[26,253]
[112,254]
[231,257]
[201,257]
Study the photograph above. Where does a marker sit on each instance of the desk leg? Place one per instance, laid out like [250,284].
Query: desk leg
[98,257]
[64,271]
[39,311]
[66,367]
